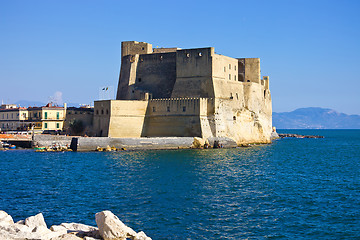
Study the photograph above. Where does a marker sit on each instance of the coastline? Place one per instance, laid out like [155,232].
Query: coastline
[43,143]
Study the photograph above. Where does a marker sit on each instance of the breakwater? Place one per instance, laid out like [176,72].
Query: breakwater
[292,135]
[109,227]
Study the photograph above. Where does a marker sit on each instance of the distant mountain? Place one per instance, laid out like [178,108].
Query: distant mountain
[25,103]
[315,118]
[73,104]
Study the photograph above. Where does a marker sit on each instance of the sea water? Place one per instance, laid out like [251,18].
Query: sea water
[291,189]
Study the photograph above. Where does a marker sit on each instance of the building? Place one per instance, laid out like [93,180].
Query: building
[48,118]
[186,92]
[13,118]
[79,121]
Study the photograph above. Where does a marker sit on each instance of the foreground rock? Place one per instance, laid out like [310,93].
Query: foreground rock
[35,228]
[5,219]
[110,227]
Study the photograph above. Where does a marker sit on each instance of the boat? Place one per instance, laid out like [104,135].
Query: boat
[8,146]
[39,148]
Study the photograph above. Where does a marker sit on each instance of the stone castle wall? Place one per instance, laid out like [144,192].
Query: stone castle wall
[189,92]
[176,117]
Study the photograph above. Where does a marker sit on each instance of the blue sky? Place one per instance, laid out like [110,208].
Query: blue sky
[310,49]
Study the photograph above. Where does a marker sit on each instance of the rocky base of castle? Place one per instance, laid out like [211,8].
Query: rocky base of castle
[109,227]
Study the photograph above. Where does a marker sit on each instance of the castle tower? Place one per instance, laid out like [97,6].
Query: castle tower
[133,47]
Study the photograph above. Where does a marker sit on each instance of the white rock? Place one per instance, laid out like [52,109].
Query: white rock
[78,227]
[6,235]
[141,236]
[68,236]
[58,228]
[111,228]
[19,232]
[16,228]
[82,230]
[35,221]
[5,219]
[41,230]
[21,222]
[198,142]
[46,234]
[90,238]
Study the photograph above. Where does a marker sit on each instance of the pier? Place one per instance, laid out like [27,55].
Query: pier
[20,140]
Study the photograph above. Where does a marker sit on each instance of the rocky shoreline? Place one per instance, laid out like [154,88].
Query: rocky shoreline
[290,135]
[109,227]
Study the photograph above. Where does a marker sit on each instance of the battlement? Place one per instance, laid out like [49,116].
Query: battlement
[133,47]
[165,50]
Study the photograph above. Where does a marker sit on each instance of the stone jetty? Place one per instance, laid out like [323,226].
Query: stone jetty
[109,227]
[82,144]
[289,135]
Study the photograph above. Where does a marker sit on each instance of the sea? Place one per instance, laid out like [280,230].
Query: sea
[290,189]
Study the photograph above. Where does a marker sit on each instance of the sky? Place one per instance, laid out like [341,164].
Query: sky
[68,50]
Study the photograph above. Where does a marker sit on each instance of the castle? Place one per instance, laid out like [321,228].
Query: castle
[171,92]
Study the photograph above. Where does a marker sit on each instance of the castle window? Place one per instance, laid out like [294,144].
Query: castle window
[184,109]
[142,48]
[237,96]
[168,109]
[97,112]
[229,76]
[57,125]
[102,111]
[248,80]
[154,110]
[229,66]
[224,69]
[234,118]
[231,96]
[107,111]
[139,79]
[235,67]
[235,77]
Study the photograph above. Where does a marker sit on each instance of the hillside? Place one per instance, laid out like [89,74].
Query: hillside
[315,118]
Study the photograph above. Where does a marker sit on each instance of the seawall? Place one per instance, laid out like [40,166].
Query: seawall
[92,143]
